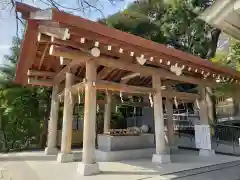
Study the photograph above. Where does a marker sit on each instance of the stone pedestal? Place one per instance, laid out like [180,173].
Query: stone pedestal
[119,143]
[206,152]
[88,169]
[51,151]
[65,157]
[161,158]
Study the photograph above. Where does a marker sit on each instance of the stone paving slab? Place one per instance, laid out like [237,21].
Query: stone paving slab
[37,166]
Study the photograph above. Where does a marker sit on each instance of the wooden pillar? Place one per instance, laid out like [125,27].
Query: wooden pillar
[88,166]
[203,109]
[107,112]
[210,105]
[66,142]
[161,155]
[170,122]
[51,148]
[202,131]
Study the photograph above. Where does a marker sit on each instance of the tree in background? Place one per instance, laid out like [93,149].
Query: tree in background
[22,109]
[230,58]
[174,23]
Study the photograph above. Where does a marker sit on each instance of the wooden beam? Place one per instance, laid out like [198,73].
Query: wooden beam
[74,89]
[64,61]
[180,95]
[124,65]
[61,75]
[112,86]
[69,54]
[40,73]
[41,14]
[43,56]
[103,85]
[133,90]
[43,38]
[170,82]
[66,43]
[78,87]
[56,32]
[37,82]
[127,103]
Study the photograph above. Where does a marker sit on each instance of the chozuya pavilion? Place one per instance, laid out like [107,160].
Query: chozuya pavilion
[74,55]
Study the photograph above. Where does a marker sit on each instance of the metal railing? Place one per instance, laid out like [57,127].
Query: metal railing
[226,133]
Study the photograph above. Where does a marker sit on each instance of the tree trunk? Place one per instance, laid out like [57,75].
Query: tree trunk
[235,107]
[236,104]
[5,143]
[3,135]
[43,139]
[211,53]
[44,133]
[213,44]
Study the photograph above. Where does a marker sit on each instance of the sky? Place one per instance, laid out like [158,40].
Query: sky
[8,21]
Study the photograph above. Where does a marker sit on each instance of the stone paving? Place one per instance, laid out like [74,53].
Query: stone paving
[36,166]
[232,173]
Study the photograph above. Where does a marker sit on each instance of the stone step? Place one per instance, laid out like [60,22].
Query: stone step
[191,172]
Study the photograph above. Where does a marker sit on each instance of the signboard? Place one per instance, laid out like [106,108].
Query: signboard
[202,136]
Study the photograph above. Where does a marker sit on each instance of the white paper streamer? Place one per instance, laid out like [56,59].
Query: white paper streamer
[98,108]
[121,96]
[150,99]
[79,97]
[175,101]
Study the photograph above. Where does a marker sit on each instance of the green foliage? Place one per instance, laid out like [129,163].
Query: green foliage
[170,22]
[22,109]
[117,121]
[231,59]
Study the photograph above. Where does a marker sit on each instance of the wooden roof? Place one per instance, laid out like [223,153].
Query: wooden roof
[119,51]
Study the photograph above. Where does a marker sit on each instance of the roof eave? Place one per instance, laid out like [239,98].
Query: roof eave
[216,13]
[27,57]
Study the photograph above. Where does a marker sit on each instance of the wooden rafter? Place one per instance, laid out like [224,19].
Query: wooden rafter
[40,73]
[104,72]
[36,82]
[127,78]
